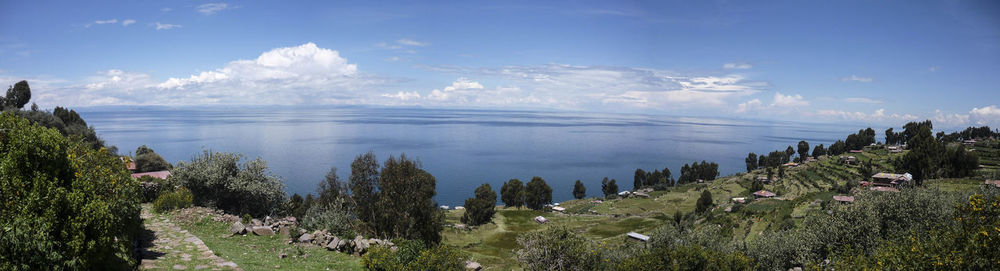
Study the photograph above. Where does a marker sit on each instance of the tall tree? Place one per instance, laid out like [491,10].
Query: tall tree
[803,149]
[751,162]
[922,161]
[18,95]
[537,193]
[639,181]
[405,202]
[363,180]
[579,191]
[512,193]
[819,150]
[704,202]
[609,187]
[330,188]
[788,154]
[480,209]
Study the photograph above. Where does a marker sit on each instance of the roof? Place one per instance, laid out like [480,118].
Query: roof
[764,193]
[791,164]
[637,236]
[155,174]
[856,151]
[541,219]
[624,193]
[558,209]
[893,178]
[844,198]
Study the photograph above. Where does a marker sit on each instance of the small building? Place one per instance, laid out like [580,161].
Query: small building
[541,220]
[459,208]
[791,164]
[969,142]
[849,159]
[895,149]
[889,179]
[844,199]
[764,194]
[763,179]
[640,194]
[155,174]
[810,159]
[739,200]
[700,181]
[624,194]
[444,207]
[558,209]
[637,236]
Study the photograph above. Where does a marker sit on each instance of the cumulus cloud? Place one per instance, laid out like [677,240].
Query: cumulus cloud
[751,105]
[741,65]
[780,104]
[464,92]
[160,26]
[950,120]
[403,95]
[127,22]
[857,79]
[212,8]
[987,115]
[788,101]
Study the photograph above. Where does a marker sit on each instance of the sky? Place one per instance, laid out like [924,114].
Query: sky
[877,62]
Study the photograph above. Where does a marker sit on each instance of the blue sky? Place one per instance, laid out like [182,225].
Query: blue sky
[880,62]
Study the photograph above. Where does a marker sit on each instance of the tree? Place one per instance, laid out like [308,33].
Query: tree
[922,161]
[781,172]
[762,161]
[788,153]
[639,181]
[330,188]
[837,148]
[890,137]
[405,202]
[294,206]
[537,193]
[219,180]
[819,150]
[579,191]
[751,162]
[704,202]
[609,187]
[803,149]
[147,160]
[480,209]
[512,193]
[363,181]
[18,95]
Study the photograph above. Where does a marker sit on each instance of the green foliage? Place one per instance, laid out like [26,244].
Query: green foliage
[803,148]
[294,206]
[557,249]
[18,95]
[704,171]
[818,151]
[704,202]
[334,216]
[152,187]
[405,206]
[147,160]
[537,193]
[579,191]
[837,148]
[413,255]
[218,180]
[512,193]
[922,159]
[64,205]
[178,199]
[751,161]
[609,187]
[861,139]
[331,188]
[480,209]
[363,182]
[689,257]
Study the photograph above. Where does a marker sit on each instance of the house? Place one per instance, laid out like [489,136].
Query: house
[791,164]
[969,142]
[810,159]
[889,179]
[641,194]
[895,149]
[850,160]
[739,200]
[764,194]
[459,208]
[558,209]
[541,220]
[636,236]
[155,174]
[624,194]
[444,207]
[129,164]
[844,199]
[856,151]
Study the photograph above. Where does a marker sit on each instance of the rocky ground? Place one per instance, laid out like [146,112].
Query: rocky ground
[165,246]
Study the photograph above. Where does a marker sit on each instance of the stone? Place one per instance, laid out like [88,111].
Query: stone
[282,255]
[237,228]
[268,220]
[331,246]
[470,265]
[179,267]
[374,242]
[260,230]
[305,238]
[285,231]
[256,222]
[341,244]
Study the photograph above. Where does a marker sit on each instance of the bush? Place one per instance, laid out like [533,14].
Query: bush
[413,255]
[64,205]
[147,160]
[153,187]
[170,201]
[333,217]
[480,209]
[218,180]
[557,249]
[690,257]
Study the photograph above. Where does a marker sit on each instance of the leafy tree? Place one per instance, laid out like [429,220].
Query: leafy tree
[838,148]
[751,162]
[911,129]
[406,206]
[537,193]
[704,170]
[146,160]
[579,191]
[218,179]
[335,217]
[819,150]
[293,206]
[788,153]
[609,187]
[557,249]
[480,209]
[639,181]
[330,188]
[922,160]
[762,161]
[63,205]
[803,149]
[704,202]
[512,193]
[18,95]
[308,203]
[363,182]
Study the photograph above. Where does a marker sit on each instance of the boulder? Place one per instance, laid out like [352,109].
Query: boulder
[261,230]
[331,246]
[305,238]
[470,265]
[237,228]
[256,222]
[268,220]
[341,244]
[285,231]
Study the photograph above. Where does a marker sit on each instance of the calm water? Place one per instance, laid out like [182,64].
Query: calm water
[462,148]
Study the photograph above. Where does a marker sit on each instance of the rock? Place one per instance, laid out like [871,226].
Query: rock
[332,246]
[282,255]
[237,228]
[374,242]
[285,231]
[305,238]
[260,230]
[256,222]
[341,244]
[470,265]
[268,220]
[461,226]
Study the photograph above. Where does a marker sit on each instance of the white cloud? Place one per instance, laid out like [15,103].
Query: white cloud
[160,26]
[127,22]
[111,21]
[393,59]
[404,96]
[862,100]
[410,42]
[788,101]
[741,65]
[857,79]
[749,106]
[950,120]
[879,115]
[212,8]
[780,104]
[987,115]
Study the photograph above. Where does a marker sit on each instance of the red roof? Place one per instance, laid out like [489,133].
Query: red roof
[764,193]
[156,174]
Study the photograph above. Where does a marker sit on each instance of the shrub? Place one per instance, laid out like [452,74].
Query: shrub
[170,201]
[64,204]
[537,193]
[557,249]
[218,180]
[413,255]
[689,257]
[147,160]
[480,209]
[153,187]
[333,217]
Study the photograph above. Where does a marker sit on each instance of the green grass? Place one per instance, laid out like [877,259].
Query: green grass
[253,252]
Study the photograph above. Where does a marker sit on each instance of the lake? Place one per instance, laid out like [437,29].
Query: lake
[461,148]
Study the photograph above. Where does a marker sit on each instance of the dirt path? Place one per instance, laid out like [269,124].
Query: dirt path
[165,246]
